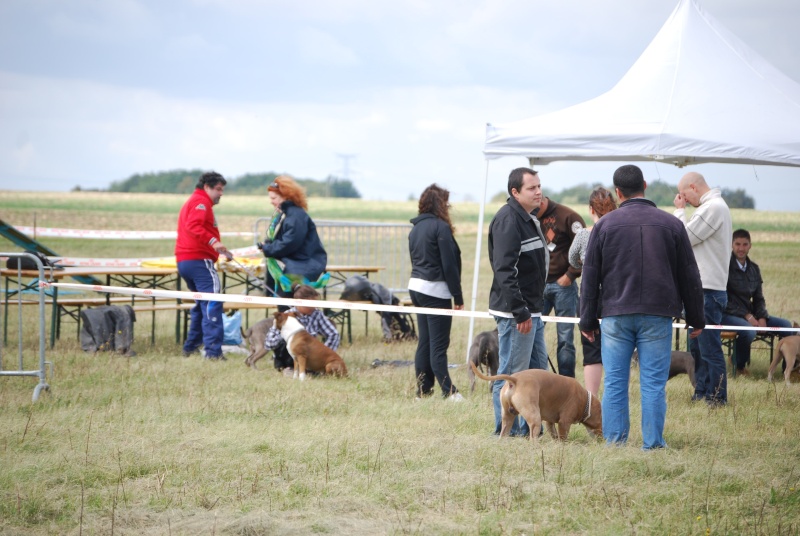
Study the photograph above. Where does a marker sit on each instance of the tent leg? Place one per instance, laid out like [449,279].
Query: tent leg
[476,271]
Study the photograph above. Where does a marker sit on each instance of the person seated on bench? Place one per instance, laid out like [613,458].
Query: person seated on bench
[746,304]
[315,322]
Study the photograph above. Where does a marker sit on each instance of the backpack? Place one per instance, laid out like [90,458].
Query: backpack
[396,327]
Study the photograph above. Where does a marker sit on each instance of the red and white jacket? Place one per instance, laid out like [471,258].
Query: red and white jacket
[197,229]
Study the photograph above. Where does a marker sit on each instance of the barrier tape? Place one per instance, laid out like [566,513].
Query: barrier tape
[110,235]
[336,304]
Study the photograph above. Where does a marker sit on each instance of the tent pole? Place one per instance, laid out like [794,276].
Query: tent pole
[477,260]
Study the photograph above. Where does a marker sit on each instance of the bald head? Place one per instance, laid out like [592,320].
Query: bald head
[692,187]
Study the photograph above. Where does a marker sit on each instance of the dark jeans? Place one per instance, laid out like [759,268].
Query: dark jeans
[205,318]
[712,378]
[745,338]
[430,361]
[564,300]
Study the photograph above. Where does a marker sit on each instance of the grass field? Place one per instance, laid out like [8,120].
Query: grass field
[161,444]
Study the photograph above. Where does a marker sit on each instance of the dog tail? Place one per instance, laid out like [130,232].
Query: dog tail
[498,377]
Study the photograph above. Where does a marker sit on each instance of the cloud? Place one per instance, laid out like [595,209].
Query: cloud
[319,47]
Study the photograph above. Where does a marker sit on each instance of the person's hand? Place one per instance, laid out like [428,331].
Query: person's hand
[564,281]
[679,201]
[525,327]
[589,335]
[222,250]
[695,333]
[458,307]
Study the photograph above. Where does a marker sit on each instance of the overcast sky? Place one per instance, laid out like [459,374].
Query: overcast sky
[397,93]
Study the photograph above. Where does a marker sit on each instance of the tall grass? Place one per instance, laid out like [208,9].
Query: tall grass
[161,444]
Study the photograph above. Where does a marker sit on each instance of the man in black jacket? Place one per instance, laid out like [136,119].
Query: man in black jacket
[746,305]
[640,259]
[519,259]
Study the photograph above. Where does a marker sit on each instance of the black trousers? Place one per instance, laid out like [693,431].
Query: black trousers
[430,361]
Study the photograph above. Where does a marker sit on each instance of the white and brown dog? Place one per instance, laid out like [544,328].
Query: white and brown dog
[540,395]
[308,352]
[788,348]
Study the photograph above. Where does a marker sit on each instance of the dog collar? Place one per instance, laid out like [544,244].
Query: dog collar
[587,411]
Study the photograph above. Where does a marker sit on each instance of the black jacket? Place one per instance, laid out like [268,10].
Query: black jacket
[297,244]
[641,259]
[519,260]
[745,295]
[435,255]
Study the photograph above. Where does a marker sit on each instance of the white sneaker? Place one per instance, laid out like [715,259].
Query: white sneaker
[455,397]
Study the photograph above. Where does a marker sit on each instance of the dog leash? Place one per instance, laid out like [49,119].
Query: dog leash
[255,278]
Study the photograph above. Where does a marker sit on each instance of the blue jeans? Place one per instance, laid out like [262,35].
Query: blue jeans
[565,302]
[652,337]
[745,338]
[517,352]
[709,370]
[430,361]
[205,318]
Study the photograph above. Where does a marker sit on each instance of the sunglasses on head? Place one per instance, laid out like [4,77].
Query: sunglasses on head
[275,185]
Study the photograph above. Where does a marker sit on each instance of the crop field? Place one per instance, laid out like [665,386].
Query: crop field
[162,444]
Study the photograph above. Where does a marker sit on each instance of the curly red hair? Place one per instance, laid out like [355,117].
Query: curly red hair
[286,187]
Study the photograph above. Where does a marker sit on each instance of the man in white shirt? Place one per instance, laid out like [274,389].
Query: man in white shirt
[709,231]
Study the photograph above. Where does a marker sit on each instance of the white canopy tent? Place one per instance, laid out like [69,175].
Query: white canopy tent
[697,94]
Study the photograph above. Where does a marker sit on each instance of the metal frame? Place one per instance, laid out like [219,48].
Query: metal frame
[41,372]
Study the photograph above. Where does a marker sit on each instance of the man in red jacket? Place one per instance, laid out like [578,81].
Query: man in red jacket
[197,249]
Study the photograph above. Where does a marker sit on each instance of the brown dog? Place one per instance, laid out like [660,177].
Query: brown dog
[255,336]
[484,352]
[789,349]
[679,363]
[540,395]
[308,352]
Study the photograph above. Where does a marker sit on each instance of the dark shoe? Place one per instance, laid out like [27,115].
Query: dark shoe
[714,404]
[193,352]
[220,357]
[742,372]
[697,398]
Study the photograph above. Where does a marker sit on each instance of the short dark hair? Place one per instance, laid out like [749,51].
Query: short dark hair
[515,178]
[629,180]
[742,233]
[211,179]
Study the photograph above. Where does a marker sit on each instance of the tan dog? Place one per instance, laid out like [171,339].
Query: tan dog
[308,352]
[540,395]
[256,336]
[789,349]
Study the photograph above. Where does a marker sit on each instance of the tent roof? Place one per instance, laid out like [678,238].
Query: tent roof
[697,94]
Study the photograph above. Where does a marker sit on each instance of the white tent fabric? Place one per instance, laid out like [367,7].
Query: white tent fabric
[697,94]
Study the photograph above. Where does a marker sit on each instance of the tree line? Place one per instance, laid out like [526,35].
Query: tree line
[183,181]
[659,192]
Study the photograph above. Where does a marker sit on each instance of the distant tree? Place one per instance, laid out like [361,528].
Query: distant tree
[175,181]
[738,198]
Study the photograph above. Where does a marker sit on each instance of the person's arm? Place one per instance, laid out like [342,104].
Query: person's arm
[575,225]
[706,221]
[291,236]
[273,338]
[321,324]
[759,303]
[577,250]
[195,224]
[450,258]
[505,256]
[590,285]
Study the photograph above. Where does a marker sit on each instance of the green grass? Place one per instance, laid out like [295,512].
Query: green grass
[160,444]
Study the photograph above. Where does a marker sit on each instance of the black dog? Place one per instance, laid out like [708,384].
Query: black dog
[484,352]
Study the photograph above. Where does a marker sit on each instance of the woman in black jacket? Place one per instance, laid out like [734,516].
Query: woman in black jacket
[292,239]
[435,283]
